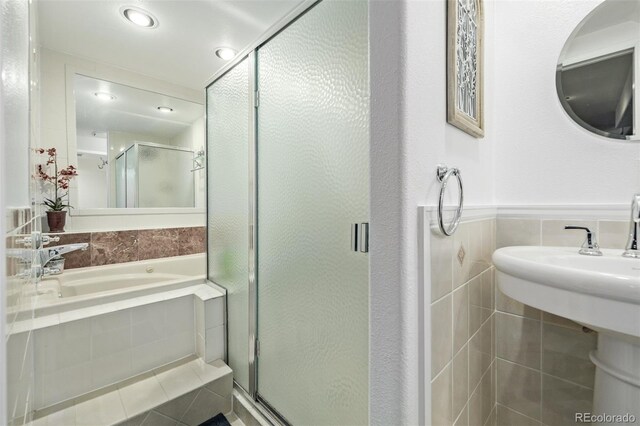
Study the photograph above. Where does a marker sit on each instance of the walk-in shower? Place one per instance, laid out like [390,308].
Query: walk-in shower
[288,191]
[155,175]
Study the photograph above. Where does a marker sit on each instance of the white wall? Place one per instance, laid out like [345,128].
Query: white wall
[93,186]
[541,156]
[86,142]
[194,137]
[410,136]
[430,140]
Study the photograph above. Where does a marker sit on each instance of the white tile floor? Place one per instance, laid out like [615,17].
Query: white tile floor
[185,393]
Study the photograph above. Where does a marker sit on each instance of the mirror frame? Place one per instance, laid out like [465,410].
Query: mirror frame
[635,49]
[118,76]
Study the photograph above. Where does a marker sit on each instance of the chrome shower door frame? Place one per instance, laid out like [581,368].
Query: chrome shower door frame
[250,53]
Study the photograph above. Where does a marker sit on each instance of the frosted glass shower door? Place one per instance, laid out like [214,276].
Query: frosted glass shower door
[313,174]
[228,194]
[164,177]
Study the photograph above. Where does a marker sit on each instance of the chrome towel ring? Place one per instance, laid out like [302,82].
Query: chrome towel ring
[443,174]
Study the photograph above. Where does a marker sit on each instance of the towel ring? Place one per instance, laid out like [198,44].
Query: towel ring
[443,174]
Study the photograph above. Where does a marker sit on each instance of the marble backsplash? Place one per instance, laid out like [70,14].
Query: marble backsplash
[111,247]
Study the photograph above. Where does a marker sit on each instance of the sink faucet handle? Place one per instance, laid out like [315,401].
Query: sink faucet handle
[37,240]
[46,239]
[590,246]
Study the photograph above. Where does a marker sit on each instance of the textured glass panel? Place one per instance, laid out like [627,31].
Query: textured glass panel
[131,162]
[312,185]
[165,178]
[121,188]
[228,197]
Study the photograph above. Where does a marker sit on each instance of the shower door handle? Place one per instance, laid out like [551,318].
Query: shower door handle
[355,236]
[360,237]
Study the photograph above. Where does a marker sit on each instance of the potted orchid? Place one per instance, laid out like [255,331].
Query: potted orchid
[58,184]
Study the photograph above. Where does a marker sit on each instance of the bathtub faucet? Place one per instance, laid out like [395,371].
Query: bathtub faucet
[51,253]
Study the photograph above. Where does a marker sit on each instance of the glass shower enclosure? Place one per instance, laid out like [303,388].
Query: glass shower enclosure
[287,215]
[154,175]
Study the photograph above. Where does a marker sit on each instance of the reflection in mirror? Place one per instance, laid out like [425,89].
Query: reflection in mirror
[598,70]
[127,139]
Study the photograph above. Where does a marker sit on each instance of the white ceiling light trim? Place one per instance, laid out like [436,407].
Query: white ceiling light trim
[165,109]
[225,53]
[104,96]
[139,17]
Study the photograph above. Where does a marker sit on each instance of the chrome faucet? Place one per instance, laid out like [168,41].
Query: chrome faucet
[632,249]
[44,256]
[590,246]
[53,253]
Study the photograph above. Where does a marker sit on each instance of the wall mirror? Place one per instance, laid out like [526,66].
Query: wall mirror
[598,72]
[136,148]
[136,143]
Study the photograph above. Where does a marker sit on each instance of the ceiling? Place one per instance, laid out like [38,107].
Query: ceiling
[133,110]
[609,14]
[180,50]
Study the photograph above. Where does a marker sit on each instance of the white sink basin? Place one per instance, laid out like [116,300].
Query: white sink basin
[601,292]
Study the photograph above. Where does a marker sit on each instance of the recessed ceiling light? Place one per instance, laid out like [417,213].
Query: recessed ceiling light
[138,16]
[165,109]
[104,96]
[225,53]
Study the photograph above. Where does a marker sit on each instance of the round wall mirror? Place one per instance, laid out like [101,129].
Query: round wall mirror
[599,70]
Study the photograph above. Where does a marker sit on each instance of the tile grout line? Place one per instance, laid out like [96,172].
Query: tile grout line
[541,364]
[518,412]
[468,340]
[465,406]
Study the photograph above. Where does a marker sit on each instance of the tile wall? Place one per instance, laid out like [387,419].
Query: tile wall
[187,392]
[544,374]
[463,355]
[128,246]
[80,356]
[83,355]
[535,365]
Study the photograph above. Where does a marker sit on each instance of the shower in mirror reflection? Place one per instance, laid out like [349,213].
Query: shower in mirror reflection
[111,121]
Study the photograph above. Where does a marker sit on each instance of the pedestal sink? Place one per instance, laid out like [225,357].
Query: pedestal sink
[600,292]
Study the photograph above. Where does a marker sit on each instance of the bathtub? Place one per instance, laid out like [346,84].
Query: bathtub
[97,285]
[120,321]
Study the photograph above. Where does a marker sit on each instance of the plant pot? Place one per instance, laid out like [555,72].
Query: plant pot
[56,221]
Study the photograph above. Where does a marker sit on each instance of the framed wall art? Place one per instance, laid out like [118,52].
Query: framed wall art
[465,87]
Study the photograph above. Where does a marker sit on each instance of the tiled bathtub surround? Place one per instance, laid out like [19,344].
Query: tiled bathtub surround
[186,392]
[86,351]
[128,246]
[462,321]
